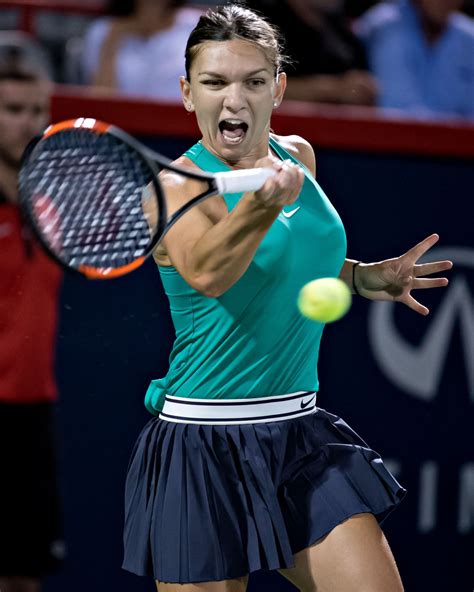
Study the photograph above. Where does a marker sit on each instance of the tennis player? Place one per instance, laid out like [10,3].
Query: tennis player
[240,470]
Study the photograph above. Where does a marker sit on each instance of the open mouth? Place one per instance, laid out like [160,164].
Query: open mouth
[233,131]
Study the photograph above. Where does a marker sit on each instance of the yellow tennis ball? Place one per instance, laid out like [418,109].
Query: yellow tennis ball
[324,300]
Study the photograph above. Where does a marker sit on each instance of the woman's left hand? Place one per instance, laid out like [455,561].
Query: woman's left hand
[394,279]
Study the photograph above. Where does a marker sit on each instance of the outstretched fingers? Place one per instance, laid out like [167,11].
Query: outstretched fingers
[415,305]
[424,283]
[422,247]
[430,268]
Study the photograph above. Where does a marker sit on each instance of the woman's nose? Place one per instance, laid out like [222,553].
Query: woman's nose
[234,98]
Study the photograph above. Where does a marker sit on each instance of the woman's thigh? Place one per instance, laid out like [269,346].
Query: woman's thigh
[237,585]
[353,557]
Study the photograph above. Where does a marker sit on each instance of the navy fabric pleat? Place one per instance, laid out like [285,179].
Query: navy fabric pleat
[207,503]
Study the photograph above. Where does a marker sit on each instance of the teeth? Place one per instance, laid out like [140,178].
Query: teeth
[234,121]
[234,140]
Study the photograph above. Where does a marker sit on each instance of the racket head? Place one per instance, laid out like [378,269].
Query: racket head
[93,197]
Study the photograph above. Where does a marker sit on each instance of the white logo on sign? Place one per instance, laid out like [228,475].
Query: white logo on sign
[418,369]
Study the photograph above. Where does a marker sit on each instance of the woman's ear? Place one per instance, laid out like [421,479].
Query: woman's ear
[186,94]
[280,87]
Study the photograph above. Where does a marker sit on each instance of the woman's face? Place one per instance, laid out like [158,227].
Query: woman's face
[233,89]
[24,112]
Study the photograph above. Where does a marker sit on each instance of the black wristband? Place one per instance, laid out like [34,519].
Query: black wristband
[353,278]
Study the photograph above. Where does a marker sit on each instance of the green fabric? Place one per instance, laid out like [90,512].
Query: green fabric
[252,341]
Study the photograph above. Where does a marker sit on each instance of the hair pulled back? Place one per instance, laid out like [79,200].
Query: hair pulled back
[235,21]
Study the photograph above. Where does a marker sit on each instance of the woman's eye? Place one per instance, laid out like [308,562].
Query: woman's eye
[255,82]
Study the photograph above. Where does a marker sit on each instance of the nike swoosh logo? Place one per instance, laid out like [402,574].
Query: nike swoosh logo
[292,213]
[304,404]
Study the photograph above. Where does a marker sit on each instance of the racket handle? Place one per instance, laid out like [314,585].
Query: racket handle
[244,180]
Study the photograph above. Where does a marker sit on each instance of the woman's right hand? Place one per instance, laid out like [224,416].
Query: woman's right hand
[284,187]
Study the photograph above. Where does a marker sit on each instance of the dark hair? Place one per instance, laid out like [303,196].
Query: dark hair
[235,21]
[127,7]
[22,59]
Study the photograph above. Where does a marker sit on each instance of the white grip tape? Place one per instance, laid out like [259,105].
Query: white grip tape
[244,180]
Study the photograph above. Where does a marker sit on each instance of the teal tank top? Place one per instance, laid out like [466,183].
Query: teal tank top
[252,341]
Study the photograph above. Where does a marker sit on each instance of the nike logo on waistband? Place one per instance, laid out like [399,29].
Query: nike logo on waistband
[292,213]
[304,404]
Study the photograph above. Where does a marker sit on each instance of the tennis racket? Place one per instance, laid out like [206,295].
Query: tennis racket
[92,194]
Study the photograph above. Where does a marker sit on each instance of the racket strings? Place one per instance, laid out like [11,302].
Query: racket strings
[89,191]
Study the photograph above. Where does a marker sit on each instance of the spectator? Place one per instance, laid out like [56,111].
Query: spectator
[30,537]
[31,50]
[422,54]
[139,48]
[329,63]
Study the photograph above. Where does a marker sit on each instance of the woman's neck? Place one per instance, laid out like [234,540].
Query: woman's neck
[246,161]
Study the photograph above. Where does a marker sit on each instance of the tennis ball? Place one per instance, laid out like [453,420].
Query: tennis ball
[324,300]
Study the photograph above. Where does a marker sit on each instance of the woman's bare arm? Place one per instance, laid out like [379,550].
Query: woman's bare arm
[210,256]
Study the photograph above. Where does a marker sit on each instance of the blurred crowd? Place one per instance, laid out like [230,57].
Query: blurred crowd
[409,56]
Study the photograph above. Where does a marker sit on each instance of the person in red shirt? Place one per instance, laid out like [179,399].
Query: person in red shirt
[30,541]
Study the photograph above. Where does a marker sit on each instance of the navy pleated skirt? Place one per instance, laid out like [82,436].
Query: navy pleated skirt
[206,503]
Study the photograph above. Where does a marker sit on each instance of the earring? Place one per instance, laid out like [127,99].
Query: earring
[275,104]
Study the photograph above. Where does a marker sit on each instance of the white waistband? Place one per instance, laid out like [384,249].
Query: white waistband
[238,411]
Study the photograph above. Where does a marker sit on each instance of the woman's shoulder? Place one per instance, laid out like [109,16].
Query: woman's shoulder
[300,148]
[184,161]
[173,180]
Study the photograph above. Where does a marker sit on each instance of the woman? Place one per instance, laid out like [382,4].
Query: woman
[241,471]
[138,49]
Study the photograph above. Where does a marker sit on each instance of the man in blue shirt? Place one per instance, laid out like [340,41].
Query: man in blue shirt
[422,54]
